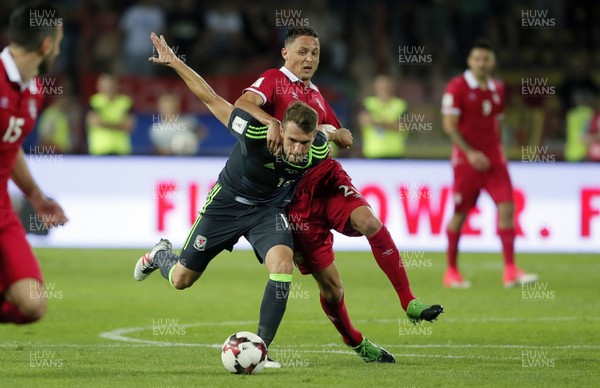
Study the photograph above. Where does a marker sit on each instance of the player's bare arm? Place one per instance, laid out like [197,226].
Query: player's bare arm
[219,107]
[251,102]
[476,158]
[51,212]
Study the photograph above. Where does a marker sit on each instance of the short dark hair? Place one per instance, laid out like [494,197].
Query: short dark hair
[303,115]
[482,43]
[295,32]
[31,23]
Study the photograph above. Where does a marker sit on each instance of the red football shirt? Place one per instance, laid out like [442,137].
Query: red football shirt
[19,107]
[278,89]
[479,111]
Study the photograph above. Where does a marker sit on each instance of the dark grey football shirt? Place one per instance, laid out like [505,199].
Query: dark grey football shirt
[255,177]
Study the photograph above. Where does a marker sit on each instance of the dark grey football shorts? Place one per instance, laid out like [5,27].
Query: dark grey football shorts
[223,221]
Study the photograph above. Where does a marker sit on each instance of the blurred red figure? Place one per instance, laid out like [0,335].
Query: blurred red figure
[592,138]
[30,52]
[472,104]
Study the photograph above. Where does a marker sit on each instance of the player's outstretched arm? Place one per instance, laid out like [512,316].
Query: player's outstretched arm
[50,211]
[219,107]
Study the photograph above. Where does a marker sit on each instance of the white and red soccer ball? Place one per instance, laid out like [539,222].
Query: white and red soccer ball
[244,353]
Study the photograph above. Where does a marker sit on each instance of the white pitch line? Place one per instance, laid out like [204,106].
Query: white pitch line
[120,335]
[332,351]
[198,345]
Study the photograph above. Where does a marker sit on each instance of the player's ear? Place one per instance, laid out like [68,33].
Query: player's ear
[284,53]
[46,46]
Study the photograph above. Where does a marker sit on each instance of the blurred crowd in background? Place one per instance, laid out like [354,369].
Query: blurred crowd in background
[406,50]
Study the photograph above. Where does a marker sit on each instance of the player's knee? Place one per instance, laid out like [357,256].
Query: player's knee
[283,267]
[280,262]
[331,288]
[333,293]
[506,212]
[33,309]
[181,283]
[367,224]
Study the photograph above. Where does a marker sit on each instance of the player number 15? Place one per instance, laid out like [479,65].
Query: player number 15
[14,131]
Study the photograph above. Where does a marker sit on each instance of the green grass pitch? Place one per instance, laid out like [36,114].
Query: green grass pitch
[105,329]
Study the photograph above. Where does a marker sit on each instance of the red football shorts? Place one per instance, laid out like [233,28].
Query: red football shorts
[317,209]
[469,182]
[16,257]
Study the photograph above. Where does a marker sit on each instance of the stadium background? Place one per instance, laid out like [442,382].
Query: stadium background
[232,42]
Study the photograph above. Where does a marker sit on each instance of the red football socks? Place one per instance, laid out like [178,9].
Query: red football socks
[338,315]
[388,257]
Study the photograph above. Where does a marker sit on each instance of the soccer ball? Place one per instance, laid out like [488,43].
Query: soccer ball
[244,353]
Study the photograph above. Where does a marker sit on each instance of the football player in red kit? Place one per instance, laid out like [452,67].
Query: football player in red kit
[472,105]
[35,35]
[325,198]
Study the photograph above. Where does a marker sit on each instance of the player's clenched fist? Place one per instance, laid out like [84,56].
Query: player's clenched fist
[345,138]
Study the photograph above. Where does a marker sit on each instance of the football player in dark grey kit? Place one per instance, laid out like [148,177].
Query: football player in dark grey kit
[249,197]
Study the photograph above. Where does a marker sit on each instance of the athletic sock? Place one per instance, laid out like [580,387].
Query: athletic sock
[386,253]
[452,252]
[165,261]
[338,315]
[9,313]
[507,236]
[273,306]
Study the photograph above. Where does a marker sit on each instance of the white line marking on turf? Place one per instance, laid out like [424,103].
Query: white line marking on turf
[123,340]
[331,351]
[198,345]
[120,334]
